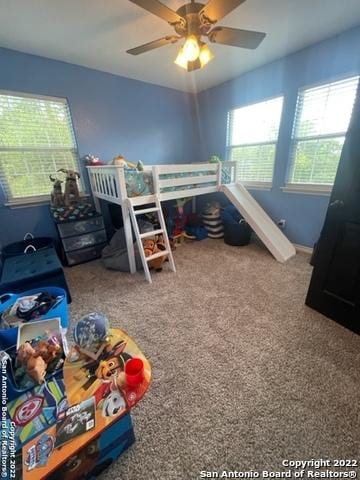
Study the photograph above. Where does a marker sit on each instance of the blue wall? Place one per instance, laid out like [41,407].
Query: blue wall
[333,58]
[114,115]
[111,115]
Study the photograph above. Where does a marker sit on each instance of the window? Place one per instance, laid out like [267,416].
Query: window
[321,121]
[36,139]
[251,140]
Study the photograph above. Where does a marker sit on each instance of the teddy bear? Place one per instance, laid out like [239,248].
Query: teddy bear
[151,247]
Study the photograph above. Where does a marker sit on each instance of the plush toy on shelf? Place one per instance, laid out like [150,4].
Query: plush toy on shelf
[71,195]
[57,196]
[93,161]
[120,161]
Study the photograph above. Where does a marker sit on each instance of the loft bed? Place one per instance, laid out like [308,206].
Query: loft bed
[130,188]
[116,183]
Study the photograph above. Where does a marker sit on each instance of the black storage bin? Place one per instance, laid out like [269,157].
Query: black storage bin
[236,231]
[18,248]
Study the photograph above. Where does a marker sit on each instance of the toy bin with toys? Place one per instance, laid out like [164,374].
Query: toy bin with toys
[32,305]
[66,411]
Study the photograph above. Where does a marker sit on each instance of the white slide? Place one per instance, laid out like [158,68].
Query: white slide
[260,222]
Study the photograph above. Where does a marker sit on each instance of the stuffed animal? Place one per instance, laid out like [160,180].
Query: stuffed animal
[57,197]
[120,161]
[47,351]
[37,358]
[150,248]
[35,365]
[36,368]
[93,161]
[71,196]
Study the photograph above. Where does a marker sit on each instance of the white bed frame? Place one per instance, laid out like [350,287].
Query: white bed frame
[108,183]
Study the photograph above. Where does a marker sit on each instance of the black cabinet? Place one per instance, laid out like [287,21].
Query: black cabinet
[82,240]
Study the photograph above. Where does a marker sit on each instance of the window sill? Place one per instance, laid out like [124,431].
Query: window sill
[28,202]
[257,185]
[34,201]
[303,189]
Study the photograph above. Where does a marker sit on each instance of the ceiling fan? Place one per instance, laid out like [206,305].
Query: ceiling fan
[192,21]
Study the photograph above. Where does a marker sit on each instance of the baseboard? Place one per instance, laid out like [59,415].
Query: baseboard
[303,248]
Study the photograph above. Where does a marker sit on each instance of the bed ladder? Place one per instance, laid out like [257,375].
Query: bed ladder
[134,202]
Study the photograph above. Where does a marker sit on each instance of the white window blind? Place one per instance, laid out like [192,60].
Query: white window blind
[252,137]
[36,139]
[321,121]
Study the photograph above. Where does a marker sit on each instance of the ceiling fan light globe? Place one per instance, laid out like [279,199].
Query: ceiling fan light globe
[181,60]
[205,55]
[191,48]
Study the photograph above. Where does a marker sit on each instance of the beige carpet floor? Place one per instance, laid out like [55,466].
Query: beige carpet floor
[244,374]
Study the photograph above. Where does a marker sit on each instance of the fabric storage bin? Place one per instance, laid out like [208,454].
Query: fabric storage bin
[18,248]
[36,269]
[85,255]
[81,227]
[83,241]
[236,231]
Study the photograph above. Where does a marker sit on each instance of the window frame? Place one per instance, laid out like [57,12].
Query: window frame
[321,189]
[41,199]
[252,184]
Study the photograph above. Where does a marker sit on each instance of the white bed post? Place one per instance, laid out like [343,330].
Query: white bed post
[92,186]
[235,170]
[155,175]
[121,187]
[219,176]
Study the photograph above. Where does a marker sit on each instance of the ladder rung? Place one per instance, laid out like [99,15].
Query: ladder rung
[157,255]
[146,210]
[151,233]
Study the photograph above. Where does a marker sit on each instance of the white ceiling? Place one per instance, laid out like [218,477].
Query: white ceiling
[96,34]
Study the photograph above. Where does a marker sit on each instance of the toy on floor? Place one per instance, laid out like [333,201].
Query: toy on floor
[194,227]
[179,234]
[151,247]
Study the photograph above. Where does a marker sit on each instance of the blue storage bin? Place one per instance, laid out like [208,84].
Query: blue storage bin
[8,336]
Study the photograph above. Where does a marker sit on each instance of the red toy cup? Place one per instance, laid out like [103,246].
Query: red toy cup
[134,371]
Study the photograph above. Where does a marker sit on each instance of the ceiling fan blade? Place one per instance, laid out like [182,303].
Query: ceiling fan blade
[161,42]
[236,37]
[215,10]
[160,10]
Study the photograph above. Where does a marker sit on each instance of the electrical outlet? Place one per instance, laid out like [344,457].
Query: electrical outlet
[281,223]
